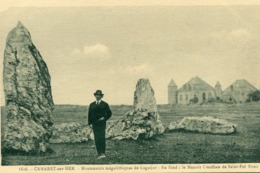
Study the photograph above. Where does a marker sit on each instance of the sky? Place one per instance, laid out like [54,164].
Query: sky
[110,48]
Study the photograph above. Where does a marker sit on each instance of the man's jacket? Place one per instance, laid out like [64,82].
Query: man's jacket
[95,112]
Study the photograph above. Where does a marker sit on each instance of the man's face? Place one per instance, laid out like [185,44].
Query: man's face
[98,97]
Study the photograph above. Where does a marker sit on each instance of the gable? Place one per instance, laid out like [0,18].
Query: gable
[196,84]
[240,85]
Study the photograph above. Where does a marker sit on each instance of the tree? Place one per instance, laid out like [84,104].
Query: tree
[194,100]
[254,96]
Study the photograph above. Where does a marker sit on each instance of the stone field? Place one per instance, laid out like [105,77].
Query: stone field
[172,147]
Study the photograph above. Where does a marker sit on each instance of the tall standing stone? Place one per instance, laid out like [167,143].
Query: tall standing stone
[142,122]
[144,96]
[27,94]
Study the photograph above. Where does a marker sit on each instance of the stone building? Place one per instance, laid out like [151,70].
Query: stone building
[198,91]
[195,90]
[238,91]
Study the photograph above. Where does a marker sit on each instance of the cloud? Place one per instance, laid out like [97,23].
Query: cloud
[96,51]
[142,69]
[231,42]
[241,35]
[76,52]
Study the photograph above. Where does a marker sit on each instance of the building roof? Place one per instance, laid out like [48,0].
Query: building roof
[217,84]
[241,84]
[196,83]
[172,83]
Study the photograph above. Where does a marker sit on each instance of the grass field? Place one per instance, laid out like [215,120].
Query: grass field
[177,147]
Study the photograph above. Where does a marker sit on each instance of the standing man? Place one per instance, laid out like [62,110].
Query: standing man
[98,113]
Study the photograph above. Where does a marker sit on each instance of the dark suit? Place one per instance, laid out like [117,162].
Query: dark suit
[96,112]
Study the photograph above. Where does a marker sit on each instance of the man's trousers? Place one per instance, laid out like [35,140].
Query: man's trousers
[100,140]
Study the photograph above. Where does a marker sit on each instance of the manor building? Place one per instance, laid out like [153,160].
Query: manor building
[197,90]
[238,91]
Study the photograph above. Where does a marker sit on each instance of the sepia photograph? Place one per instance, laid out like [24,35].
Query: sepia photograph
[142,87]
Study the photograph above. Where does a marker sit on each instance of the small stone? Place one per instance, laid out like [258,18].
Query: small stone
[204,124]
[71,133]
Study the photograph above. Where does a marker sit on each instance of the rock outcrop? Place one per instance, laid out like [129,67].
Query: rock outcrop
[27,94]
[71,133]
[142,122]
[203,125]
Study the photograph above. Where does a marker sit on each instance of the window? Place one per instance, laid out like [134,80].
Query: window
[189,87]
[209,95]
[203,96]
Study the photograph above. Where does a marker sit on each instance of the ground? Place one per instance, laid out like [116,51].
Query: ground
[175,147]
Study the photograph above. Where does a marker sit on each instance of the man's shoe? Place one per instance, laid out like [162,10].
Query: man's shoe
[101,156]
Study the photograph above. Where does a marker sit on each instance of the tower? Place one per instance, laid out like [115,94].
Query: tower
[172,92]
[218,90]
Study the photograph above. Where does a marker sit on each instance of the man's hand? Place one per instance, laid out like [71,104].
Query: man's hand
[90,126]
[101,119]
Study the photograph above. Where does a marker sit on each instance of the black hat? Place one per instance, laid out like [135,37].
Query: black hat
[98,92]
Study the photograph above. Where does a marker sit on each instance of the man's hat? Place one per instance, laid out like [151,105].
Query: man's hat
[98,92]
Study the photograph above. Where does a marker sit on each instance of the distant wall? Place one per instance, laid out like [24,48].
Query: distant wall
[236,96]
[184,97]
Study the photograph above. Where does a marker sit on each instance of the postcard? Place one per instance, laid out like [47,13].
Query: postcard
[130,86]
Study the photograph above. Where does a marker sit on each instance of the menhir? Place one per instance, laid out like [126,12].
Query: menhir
[28,94]
[142,122]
